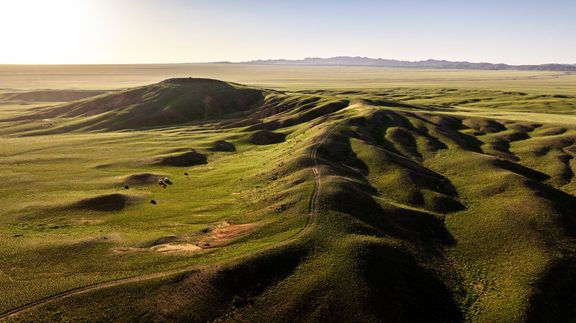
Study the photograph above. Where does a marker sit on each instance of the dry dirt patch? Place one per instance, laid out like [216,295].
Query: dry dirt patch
[219,236]
[170,248]
[225,232]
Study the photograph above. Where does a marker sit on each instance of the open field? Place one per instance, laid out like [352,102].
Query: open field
[294,194]
[104,77]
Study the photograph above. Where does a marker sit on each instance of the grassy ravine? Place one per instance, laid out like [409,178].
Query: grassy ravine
[436,205]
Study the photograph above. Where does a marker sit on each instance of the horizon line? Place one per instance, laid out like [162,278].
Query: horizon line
[284,59]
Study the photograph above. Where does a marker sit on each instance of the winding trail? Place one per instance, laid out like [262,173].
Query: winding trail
[313,207]
[89,288]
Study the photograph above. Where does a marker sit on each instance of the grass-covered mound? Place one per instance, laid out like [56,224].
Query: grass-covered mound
[223,145]
[266,137]
[107,202]
[179,159]
[141,179]
[170,102]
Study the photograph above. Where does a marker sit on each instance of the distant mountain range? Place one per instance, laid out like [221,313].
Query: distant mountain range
[431,63]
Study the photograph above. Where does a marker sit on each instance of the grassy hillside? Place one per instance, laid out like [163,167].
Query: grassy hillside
[174,101]
[398,205]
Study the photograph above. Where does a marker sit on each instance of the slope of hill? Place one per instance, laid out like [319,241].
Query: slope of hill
[406,205]
[171,102]
[47,96]
[430,63]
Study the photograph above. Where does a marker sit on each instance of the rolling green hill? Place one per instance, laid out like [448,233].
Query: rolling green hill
[200,200]
[171,102]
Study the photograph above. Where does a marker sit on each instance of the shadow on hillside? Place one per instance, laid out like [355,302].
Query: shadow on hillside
[555,299]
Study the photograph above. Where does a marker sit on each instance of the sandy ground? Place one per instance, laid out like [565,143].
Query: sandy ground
[221,235]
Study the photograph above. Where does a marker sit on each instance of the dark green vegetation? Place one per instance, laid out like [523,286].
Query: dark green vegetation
[398,205]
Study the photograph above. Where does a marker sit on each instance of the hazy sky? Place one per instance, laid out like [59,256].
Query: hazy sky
[174,31]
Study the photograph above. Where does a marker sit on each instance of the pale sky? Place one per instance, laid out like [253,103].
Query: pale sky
[178,31]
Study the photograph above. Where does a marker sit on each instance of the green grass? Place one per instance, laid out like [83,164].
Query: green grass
[436,201]
[45,176]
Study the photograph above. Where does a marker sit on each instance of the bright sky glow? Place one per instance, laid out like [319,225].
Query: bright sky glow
[177,31]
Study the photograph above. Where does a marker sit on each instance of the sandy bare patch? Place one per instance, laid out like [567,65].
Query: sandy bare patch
[225,232]
[170,248]
[222,234]
[161,248]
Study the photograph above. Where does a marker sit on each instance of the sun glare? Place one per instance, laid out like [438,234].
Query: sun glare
[55,31]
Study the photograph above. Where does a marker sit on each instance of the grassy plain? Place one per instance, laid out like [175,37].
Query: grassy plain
[445,195]
[104,77]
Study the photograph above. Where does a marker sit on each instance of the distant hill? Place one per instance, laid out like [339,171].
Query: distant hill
[431,63]
[170,102]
